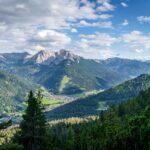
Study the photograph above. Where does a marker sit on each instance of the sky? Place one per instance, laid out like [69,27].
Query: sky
[96,29]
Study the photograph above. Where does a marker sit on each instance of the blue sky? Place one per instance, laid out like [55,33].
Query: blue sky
[91,28]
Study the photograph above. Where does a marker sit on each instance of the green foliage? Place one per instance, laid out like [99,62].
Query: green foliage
[33,126]
[76,77]
[11,147]
[92,105]
[51,103]
[4,125]
[123,127]
[13,91]
[65,80]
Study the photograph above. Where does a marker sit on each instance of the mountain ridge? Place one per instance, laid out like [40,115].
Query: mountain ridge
[75,74]
[92,105]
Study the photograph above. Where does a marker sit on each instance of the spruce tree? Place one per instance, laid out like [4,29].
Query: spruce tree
[33,125]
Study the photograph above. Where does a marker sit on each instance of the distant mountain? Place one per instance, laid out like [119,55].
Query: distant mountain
[46,57]
[93,104]
[13,90]
[42,57]
[12,58]
[76,76]
[127,67]
[63,72]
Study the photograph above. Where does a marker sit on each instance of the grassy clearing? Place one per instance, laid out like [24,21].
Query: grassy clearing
[50,103]
[65,80]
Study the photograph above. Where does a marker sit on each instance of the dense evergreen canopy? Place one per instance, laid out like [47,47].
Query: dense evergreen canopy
[122,127]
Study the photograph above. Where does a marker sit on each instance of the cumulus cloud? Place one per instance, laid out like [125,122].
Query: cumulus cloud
[105,24]
[12,39]
[49,38]
[100,45]
[46,24]
[52,13]
[96,45]
[143,19]
[136,40]
[125,22]
[139,50]
[124,5]
[98,39]
[105,16]
[73,30]
[27,21]
[105,5]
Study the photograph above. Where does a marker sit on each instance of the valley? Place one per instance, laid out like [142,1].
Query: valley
[74,75]
[72,86]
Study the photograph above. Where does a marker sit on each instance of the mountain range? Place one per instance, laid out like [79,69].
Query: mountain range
[62,72]
[65,73]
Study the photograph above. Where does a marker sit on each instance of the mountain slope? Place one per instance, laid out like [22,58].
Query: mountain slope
[127,67]
[63,72]
[13,90]
[73,77]
[93,104]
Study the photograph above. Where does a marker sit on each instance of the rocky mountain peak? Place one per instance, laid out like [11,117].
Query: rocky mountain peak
[48,57]
[43,56]
[66,54]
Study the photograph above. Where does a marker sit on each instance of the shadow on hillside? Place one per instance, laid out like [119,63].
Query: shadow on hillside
[78,108]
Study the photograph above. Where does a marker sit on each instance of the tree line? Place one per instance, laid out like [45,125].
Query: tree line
[122,127]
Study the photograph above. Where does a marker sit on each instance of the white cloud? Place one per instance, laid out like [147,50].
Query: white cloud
[13,39]
[3,27]
[105,16]
[105,5]
[105,24]
[100,45]
[73,30]
[136,40]
[23,20]
[98,39]
[96,45]
[143,19]
[52,13]
[49,39]
[139,50]
[124,5]
[125,22]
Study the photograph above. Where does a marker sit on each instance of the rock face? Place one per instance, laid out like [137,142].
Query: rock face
[65,55]
[48,57]
[43,57]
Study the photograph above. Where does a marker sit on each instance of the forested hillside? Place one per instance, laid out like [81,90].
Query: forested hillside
[122,127]
[92,105]
[70,77]
[127,67]
[13,92]
[61,72]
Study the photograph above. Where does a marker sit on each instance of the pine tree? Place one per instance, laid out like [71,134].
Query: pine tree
[33,126]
